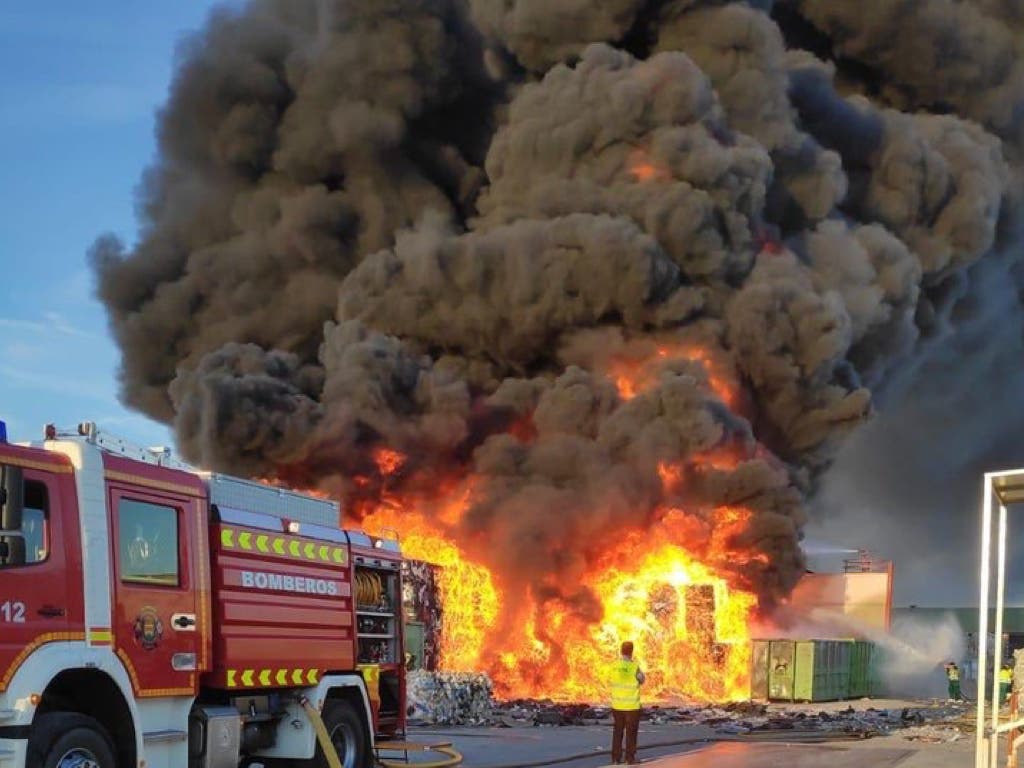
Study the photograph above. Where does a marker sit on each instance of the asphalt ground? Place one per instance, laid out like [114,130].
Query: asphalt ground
[587,746]
[499,747]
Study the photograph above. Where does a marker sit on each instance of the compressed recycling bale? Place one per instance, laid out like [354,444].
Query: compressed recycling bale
[450,698]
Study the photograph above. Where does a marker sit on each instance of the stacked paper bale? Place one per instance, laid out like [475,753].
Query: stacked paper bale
[450,698]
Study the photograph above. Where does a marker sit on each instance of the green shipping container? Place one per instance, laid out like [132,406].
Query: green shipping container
[822,670]
[880,660]
[861,669]
[810,670]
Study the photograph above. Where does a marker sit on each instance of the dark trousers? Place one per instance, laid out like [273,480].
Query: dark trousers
[626,723]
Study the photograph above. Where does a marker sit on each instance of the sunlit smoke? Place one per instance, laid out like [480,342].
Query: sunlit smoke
[525,281]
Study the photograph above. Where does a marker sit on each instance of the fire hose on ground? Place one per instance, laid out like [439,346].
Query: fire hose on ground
[451,756]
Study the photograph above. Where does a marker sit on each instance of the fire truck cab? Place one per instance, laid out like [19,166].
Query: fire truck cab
[153,616]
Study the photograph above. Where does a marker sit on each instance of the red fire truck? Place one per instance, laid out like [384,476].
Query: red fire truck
[153,616]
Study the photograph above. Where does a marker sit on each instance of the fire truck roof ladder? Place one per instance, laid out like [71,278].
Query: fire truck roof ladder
[225,491]
[159,455]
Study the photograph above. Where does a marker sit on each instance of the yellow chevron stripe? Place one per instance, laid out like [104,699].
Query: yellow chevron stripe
[250,678]
[231,538]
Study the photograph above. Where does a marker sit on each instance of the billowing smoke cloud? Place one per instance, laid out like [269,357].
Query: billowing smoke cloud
[561,246]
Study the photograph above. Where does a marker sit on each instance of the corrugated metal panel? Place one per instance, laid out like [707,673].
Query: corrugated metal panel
[860,669]
[780,673]
[256,497]
[822,670]
[806,659]
[759,656]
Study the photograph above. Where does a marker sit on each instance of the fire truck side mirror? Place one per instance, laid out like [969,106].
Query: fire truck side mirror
[12,499]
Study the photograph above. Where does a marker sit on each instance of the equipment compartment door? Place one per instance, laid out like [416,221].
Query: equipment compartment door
[154,559]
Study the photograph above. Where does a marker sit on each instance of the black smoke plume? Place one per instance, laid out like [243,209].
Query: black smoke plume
[445,227]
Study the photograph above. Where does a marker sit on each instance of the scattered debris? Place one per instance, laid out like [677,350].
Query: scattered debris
[934,734]
[465,699]
[746,717]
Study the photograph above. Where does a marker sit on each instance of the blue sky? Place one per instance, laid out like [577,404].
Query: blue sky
[80,86]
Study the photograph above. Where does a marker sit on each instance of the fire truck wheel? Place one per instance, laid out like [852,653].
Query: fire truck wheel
[69,740]
[348,735]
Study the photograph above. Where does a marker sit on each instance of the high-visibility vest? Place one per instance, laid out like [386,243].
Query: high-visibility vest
[954,674]
[1005,676]
[625,686]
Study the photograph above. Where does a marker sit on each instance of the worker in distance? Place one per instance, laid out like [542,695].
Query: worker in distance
[626,678]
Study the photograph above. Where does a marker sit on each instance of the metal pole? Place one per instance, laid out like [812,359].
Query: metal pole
[997,647]
[980,754]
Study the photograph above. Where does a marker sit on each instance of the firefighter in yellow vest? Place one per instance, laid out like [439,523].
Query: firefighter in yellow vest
[1005,683]
[625,678]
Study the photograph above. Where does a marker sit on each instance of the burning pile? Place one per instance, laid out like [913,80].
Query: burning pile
[578,297]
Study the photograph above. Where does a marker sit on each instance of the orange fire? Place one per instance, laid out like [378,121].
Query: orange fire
[643,169]
[635,375]
[690,628]
[670,474]
[388,461]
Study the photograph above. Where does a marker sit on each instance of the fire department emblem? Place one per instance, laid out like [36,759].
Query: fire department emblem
[148,629]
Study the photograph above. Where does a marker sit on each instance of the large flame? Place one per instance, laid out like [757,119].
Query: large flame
[690,628]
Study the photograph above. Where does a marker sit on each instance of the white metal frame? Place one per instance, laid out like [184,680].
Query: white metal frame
[1007,488]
